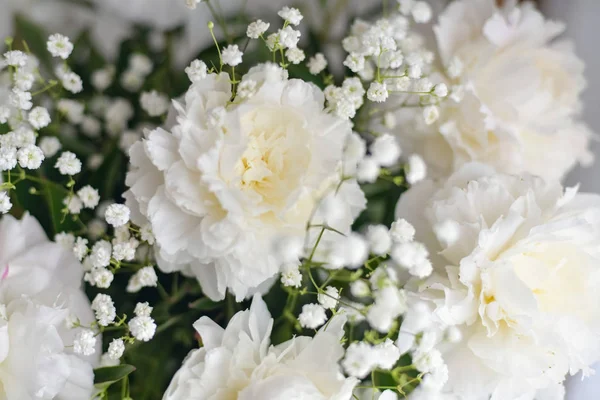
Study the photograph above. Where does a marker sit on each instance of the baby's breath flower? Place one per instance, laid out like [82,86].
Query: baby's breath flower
[192,4]
[103,78]
[288,37]
[8,158]
[146,234]
[89,196]
[84,343]
[80,248]
[295,55]
[20,99]
[417,169]
[5,204]
[30,157]
[142,328]
[377,92]
[292,15]
[15,58]
[66,240]
[49,145]
[140,64]
[59,46]
[104,308]
[330,298]
[116,348]
[154,103]
[312,316]
[117,215]
[317,64]
[72,82]
[431,114]
[196,71]
[256,29]
[68,164]
[231,55]
[39,117]
[73,204]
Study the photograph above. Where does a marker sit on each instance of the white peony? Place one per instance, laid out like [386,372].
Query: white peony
[39,294]
[239,363]
[519,281]
[521,94]
[233,176]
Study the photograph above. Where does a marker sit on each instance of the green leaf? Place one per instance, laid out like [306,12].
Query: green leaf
[205,304]
[110,375]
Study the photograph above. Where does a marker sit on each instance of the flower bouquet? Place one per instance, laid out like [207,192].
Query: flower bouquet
[330,200]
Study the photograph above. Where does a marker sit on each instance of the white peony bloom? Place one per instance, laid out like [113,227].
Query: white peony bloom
[518,279]
[232,177]
[39,293]
[520,108]
[239,363]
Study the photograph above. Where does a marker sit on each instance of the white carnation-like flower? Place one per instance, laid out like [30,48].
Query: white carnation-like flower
[39,293]
[518,279]
[239,362]
[233,176]
[520,87]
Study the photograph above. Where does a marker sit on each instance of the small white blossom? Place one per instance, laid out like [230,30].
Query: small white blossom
[140,64]
[49,145]
[192,4]
[103,78]
[66,240]
[89,196]
[131,80]
[288,37]
[101,252]
[329,298]
[231,55]
[104,308]
[39,117]
[68,164]
[317,64]
[417,169]
[15,58]
[246,89]
[377,92]
[154,103]
[368,170]
[379,238]
[142,328]
[59,46]
[30,157]
[23,80]
[72,82]
[385,150]
[415,72]
[431,114]
[90,126]
[116,348]
[73,204]
[84,343]
[295,55]
[290,14]
[146,234]
[312,316]
[256,29]
[20,99]
[117,215]
[5,204]
[196,71]
[359,289]
[142,309]
[80,248]
[72,109]
[402,231]
[96,228]
[125,250]
[291,276]
[356,62]
[8,158]
[359,360]
[426,361]
[102,277]
[421,12]
[440,90]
